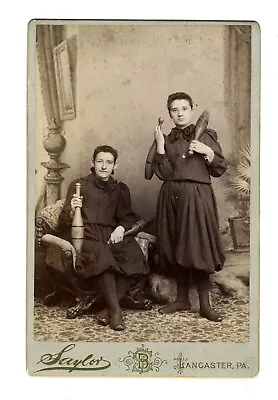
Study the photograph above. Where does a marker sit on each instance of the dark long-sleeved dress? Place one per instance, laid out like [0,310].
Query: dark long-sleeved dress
[187,219]
[106,205]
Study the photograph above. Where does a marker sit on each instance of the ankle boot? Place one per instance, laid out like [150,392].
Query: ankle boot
[201,279]
[182,302]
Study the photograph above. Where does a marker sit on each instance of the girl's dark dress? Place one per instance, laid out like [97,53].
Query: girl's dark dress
[187,220]
[106,205]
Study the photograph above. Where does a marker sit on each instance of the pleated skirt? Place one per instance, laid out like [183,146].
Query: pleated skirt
[188,233]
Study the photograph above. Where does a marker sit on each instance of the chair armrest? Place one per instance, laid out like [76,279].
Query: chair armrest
[144,240]
[56,241]
[51,241]
[147,236]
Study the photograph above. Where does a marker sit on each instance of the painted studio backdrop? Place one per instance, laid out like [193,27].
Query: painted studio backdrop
[108,84]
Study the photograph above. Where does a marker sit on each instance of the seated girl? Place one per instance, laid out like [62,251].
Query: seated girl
[108,256]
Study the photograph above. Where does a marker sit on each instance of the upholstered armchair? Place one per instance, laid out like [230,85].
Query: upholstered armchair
[60,257]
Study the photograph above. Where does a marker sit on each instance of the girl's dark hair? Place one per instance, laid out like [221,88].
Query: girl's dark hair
[105,149]
[179,96]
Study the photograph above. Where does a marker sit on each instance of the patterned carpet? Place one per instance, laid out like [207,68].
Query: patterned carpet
[51,324]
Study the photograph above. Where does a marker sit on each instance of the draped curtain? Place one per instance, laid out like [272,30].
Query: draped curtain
[48,36]
[239,88]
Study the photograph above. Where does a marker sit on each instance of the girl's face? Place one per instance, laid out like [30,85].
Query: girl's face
[104,164]
[181,113]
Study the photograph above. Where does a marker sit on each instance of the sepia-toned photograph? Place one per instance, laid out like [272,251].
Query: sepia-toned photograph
[143,147]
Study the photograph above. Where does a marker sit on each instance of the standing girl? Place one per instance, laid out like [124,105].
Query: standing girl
[188,236]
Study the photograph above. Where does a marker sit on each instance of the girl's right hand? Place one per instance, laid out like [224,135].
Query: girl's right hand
[159,136]
[76,201]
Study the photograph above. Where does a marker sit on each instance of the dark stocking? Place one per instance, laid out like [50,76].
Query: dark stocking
[182,301]
[107,286]
[201,280]
[122,285]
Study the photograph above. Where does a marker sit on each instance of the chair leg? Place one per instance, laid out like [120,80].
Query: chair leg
[56,296]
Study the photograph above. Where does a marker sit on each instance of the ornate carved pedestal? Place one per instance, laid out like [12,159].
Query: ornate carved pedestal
[54,143]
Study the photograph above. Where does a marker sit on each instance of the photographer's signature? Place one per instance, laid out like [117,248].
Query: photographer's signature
[62,361]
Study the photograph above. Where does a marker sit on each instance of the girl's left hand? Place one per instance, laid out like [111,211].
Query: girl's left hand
[117,235]
[200,147]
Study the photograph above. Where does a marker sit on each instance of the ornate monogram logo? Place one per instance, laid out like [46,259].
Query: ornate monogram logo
[180,360]
[142,360]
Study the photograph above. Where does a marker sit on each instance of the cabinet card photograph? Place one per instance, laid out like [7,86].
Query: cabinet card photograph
[143,198]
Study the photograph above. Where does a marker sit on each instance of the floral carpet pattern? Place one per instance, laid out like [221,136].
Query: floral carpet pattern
[51,324]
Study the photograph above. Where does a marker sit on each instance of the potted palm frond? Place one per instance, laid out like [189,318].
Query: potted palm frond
[240,224]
